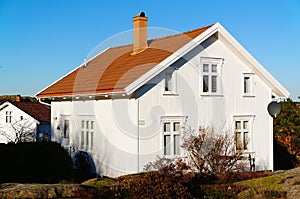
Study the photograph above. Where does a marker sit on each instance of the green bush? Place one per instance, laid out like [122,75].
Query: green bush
[43,162]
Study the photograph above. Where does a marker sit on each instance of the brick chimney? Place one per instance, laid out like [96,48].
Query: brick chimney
[139,33]
[18,98]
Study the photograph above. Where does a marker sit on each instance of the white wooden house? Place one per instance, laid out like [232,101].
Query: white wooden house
[31,120]
[129,103]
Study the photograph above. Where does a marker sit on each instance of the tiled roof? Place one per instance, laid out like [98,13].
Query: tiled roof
[116,68]
[39,111]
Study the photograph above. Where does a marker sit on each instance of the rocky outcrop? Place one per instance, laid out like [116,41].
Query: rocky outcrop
[290,182]
[13,190]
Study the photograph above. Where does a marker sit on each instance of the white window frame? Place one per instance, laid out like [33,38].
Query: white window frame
[250,92]
[170,77]
[172,120]
[87,134]
[247,118]
[210,73]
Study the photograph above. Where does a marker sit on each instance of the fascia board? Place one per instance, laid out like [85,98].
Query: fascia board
[169,60]
[86,95]
[81,65]
[268,78]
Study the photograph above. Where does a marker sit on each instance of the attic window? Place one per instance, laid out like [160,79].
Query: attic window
[248,84]
[170,81]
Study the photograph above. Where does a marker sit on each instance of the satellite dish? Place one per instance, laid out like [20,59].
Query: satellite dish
[274,109]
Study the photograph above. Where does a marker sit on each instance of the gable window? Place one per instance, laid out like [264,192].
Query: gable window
[248,84]
[211,76]
[170,81]
[87,135]
[172,138]
[243,132]
[8,116]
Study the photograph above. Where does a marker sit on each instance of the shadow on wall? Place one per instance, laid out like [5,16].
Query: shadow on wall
[282,158]
[84,166]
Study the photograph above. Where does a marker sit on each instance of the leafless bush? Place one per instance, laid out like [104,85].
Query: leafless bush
[212,153]
[20,131]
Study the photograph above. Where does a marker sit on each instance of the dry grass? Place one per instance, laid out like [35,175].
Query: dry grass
[266,187]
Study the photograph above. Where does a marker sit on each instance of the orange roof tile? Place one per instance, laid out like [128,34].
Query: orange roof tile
[115,68]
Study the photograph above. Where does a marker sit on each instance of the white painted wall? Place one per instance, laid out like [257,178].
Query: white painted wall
[115,151]
[119,139]
[209,111]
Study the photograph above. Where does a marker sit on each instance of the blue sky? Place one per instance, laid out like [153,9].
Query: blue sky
[42,40]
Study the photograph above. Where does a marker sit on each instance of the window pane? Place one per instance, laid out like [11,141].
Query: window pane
[238,125]
[167,127]
[167,146]
[82,124]
[213,84]
[176,144]
[92,140]
[66,129]
[205,83]
[238,140]
[214,68]
[246,140]
[82,140]
[176,126]
[246,84]
[205,68]
[92,124]
[246,125]
[168,82]
[87,138]
[87,124]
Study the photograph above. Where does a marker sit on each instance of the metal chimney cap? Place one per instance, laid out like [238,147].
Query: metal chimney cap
[142,14]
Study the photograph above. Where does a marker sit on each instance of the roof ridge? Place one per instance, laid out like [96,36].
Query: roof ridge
[182,33]
[164,37]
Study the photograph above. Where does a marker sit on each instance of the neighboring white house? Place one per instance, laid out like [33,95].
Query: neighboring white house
[29,119]
[129,103]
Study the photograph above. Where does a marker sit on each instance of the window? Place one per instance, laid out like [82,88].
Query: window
[211,76]
[171,138]
[8,116]
[169,81]
[248,84]
[66,129]
[87,135]
[243,132]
